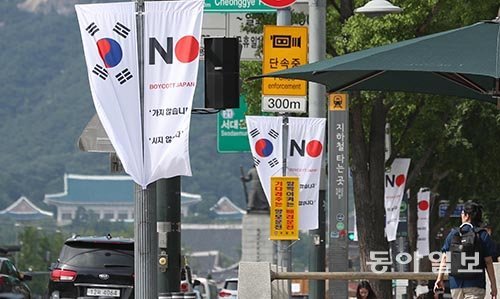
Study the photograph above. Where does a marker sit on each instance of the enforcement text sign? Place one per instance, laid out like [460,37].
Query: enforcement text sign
[284,47]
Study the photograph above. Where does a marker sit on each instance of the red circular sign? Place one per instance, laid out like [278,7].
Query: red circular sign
[278,3]
[423,205]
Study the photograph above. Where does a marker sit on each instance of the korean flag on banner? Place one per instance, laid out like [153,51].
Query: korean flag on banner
[304,156]
[265,136]
[110,45]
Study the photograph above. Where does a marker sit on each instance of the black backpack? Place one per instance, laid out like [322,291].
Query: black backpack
[467,253]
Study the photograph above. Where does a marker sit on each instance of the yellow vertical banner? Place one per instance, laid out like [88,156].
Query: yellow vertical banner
[284,208]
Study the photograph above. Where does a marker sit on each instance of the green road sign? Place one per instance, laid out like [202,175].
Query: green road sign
[232,133]
[236,6]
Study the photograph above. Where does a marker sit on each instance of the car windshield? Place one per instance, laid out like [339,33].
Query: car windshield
[96,257]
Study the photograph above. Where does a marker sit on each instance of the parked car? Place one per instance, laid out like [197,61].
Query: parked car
[207,288]
[93,267]
[230,289]
[12,281]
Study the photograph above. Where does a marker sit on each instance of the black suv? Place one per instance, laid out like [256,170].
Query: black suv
[93,267]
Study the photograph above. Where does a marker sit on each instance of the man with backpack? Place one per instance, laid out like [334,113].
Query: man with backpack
[469,248]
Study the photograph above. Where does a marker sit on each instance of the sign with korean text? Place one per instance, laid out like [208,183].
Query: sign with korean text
[338,126]
[284,208]
[285,47]
[232,136]
[232,6]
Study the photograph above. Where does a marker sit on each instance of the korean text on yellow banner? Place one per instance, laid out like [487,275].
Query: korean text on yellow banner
[284,208]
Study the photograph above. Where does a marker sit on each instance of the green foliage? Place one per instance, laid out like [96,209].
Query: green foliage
[45,104]
[39,248]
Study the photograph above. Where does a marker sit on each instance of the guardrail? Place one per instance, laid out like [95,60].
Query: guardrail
[263,280]
[354,275]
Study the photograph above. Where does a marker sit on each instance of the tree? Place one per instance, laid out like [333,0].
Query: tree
[428,129]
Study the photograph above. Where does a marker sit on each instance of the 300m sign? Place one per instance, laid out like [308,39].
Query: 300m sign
[284,104]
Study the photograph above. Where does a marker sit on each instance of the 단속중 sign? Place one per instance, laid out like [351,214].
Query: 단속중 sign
[284,47]
[284,208]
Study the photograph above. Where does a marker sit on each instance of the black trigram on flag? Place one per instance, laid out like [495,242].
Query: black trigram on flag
[273,134]
[256,161]
[255,132]
[124,76]
[121,30]
[100,72]
[273,162]
[92,29]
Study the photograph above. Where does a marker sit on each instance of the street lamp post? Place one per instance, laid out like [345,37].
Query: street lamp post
[317,108]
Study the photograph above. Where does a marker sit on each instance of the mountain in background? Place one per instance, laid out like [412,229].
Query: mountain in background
[45,103]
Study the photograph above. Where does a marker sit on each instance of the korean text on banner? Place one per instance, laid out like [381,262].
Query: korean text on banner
[171,65]
[423,209]
[265,137]
[284,47]
[395,182]
[305,154]
[172,36]
[109,38]
[284,208]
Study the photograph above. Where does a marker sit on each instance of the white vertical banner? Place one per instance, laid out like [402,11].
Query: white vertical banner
[109,38]
[172,47]
[304,156]
[265,134]
[395,182]
[171,54]
[423,212]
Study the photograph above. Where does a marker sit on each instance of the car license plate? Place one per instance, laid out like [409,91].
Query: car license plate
[103,292]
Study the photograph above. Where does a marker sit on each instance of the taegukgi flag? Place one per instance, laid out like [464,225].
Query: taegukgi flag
[304,157]
[395,182]
[171,54]
[265,137]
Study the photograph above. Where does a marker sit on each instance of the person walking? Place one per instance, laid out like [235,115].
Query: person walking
[365,291]
[471,282]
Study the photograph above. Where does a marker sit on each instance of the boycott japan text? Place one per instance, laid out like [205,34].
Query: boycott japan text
[382,259]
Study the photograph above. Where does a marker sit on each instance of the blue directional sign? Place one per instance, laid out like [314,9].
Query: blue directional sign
[455,213]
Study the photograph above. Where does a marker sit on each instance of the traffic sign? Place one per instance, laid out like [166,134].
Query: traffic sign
[232,133]
[284,47]
[231,6]
[279,3]
[284,104]
[455,213]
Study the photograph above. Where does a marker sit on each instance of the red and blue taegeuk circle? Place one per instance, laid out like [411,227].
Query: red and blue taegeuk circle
[263,147]
[110,52]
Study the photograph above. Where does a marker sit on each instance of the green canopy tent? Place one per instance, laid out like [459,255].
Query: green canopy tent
[463,62]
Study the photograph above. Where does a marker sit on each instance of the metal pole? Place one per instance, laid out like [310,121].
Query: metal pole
[169,234]
[338,176]
[317,108]
[145,199]
[284,256]
[145,243]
